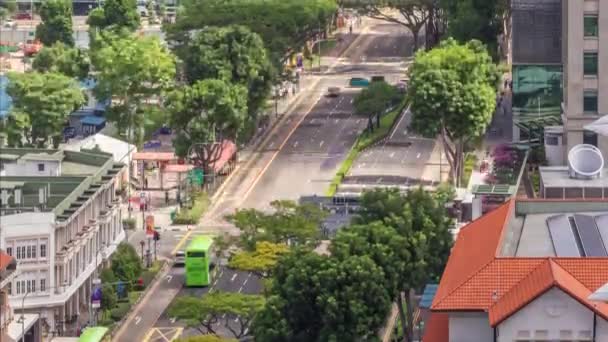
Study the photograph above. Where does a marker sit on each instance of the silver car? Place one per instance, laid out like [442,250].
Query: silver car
[180,258]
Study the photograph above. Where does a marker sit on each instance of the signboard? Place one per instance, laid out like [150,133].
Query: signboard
[69,132]
[150,226]
[96,298]
[196,176]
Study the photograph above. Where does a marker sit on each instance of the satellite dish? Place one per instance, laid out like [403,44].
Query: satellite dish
[585,162]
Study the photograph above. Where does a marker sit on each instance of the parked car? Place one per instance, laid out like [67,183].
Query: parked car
[179,259]
[359,82]
[9,24]
[378,78]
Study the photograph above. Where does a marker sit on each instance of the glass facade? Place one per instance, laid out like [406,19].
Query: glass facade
[590,64]
[591,26]
[590,102]
[537,91]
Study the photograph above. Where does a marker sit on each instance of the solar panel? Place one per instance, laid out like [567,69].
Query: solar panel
[562,236]
[602,225]
[590,236]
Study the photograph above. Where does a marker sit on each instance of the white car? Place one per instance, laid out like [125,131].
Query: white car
[9,24]
[180,258]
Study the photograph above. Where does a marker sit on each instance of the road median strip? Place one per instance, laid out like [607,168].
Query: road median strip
[365,140]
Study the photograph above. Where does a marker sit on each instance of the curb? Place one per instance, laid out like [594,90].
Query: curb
[162,272]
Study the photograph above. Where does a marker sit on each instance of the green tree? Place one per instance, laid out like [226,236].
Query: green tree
[482,20]
[233,54]
[261,261]
[72,62]
[109,297]
[203,116]
[319,298]
[374,100]
[421,219]
[126,264]
[413,14]
[452,91]
[134,72]
[56,24]
[7,8]
[218,307]
[115,15]
[42,104]
[284,25]
[288,223]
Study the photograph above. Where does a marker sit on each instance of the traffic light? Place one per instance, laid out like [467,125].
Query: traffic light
[156,236]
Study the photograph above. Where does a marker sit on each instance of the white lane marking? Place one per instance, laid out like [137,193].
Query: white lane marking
[271,144]
[312,121]
[295,144]
[358,120]
[321,143]
[246,280]
[137,320]
[172,320]
[224,316]
[236,319]
[169,277]
[241,289]
[246,331]
[352,100]
[392,155]
[233,277]
[379,180]
[418,155]
[337,120]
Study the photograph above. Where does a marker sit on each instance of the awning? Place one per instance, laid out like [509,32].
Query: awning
[599,126]
[154,156]
[93,120]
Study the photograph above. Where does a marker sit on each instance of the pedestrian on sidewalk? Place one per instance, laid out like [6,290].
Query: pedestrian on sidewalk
[350,29]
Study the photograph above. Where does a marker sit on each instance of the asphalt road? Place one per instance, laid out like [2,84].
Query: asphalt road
[299,157]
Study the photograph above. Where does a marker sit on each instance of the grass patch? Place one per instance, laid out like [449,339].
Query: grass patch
[134,296]
[470,161]
[535,180]
[365,140]
[193,215]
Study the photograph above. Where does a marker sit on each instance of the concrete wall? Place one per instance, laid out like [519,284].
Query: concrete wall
[554,316]
[470,327]
[575,83]
[29,168]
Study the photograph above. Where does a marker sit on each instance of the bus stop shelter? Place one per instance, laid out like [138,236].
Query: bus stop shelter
[161,159]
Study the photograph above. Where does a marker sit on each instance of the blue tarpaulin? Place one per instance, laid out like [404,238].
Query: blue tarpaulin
[5,100]
[93,120]
[428,295]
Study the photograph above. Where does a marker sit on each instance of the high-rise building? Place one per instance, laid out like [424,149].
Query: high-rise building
[585,60]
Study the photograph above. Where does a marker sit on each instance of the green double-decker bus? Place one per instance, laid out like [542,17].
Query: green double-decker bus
[198,257]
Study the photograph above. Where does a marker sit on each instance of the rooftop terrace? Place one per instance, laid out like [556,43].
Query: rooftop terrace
[82,174]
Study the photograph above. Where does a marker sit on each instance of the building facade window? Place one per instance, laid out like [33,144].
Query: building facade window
[590,101]
[590,64]
[42,285]
[591,25]
[43,250]
[9,251]
[40,167]
[590,138]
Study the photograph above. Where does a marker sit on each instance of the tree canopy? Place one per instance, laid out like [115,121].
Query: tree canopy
[56,23]
[284,25]
[206,113]
[319,298]
[234,54]
[134,72]
[126,264]
[262,260]
[205,338]
[215,307]
[413,14]
[41,106]
[452,91]
[115,15]
[288,223]
[72,62]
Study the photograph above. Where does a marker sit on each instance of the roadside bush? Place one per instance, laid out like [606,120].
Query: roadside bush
[126,265]
[119,311]
[128,223]
[149,274]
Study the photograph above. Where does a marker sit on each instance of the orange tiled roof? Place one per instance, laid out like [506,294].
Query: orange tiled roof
[475,278]
[437,328]
[475,248]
